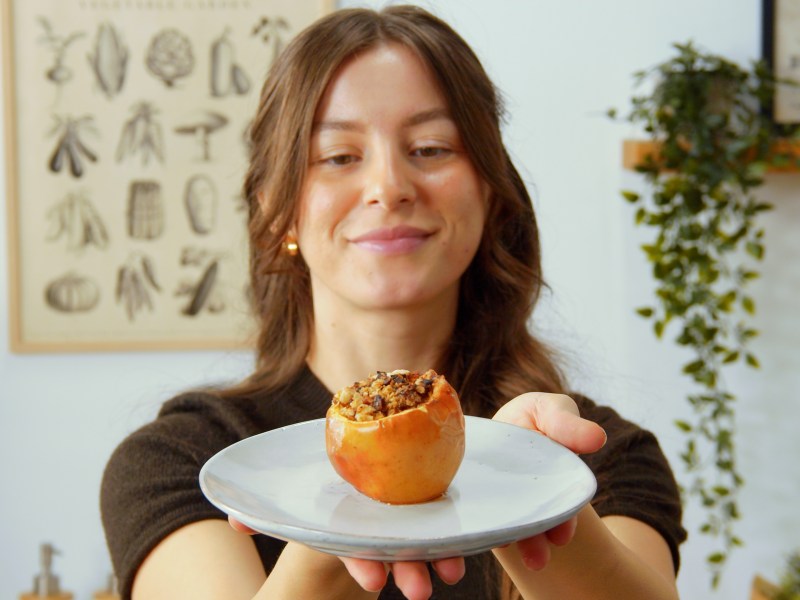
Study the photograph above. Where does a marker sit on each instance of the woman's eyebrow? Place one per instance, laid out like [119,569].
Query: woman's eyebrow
[419,118]
[336,125]
[425,116]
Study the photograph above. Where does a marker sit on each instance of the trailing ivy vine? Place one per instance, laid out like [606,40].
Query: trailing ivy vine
[714,143]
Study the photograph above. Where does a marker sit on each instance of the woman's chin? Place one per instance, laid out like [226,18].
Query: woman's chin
[405,296]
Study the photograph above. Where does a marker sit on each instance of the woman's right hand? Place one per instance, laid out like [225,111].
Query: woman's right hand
[412,577]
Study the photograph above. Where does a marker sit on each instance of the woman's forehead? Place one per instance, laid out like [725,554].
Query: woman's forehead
[385,79]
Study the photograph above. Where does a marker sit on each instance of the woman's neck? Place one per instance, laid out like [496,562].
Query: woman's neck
[349,344]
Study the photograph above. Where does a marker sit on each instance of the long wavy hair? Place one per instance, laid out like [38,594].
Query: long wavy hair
[492,355]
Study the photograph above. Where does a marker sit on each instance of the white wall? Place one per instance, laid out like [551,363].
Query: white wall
[560,65]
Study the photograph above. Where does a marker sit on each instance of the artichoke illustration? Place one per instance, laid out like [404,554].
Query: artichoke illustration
[169,56]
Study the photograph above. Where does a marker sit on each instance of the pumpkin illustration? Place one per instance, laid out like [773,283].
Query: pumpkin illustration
[72,293]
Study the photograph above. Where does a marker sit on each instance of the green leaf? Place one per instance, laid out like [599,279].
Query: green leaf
[752,361]
[630,196]
[755,250]
[721,490]
[749,305]
[694,366]
[725,302]
[658,328]
[716,558]
[645,311]
[731,357]
[756,170]
[683,426]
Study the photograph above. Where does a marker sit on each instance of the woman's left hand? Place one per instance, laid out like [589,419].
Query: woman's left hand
[557,417]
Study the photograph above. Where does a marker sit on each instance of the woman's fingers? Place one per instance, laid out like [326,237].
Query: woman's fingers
[413,579]
[369,574]
[450,570]
[561,535]
[240,527]
[535,551]
[556,416]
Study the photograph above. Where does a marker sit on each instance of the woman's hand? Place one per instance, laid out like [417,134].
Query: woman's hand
[412,578]
[557,417]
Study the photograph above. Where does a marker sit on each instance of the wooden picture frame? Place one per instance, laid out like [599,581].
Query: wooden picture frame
[125,125]
[781,51]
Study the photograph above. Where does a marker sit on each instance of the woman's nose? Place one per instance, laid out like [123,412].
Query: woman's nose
[388,180]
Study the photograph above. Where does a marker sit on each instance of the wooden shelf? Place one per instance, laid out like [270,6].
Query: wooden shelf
[634,152]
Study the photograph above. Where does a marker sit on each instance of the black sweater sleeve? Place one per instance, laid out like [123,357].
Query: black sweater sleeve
[150,486]
[634,478]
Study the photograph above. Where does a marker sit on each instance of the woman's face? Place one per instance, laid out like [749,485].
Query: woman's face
[392,209]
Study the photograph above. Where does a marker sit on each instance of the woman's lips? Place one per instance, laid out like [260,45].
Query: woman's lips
[392,240]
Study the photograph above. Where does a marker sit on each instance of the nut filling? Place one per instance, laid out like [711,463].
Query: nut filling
[383,394]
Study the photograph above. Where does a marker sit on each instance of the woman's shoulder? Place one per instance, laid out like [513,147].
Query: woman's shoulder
[200,422]
[599,413]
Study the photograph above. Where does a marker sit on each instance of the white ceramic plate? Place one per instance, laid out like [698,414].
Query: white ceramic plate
[512,484]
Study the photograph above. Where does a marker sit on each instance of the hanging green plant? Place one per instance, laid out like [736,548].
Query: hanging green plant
[790,580]
[715,142]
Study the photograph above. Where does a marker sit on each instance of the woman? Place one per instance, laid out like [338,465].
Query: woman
[388,229]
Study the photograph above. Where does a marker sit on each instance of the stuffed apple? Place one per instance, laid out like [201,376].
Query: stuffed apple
[397,437]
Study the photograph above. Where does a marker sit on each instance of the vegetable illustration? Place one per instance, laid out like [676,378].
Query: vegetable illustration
[109,60]
[169,56]
[202,127]
[204,294]
[69,146]
[226,75]
[203,290]
[141,134]
[77,220]
[271,32]
[58,73]
[193,256]
[135,281]
[145,210]
[200,200]
[72,293]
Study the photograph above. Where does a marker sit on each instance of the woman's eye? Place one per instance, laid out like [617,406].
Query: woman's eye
[429,152]
[340,160]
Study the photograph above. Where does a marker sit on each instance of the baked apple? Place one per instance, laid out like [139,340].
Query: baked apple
[397,437]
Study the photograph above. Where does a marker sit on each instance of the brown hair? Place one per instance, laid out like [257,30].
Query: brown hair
[492,355]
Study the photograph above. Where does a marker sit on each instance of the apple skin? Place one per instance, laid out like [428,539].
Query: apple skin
[405,458]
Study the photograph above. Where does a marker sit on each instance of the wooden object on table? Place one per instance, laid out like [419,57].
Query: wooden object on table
[634,152]
[111,591]
[45,582]
[762,589]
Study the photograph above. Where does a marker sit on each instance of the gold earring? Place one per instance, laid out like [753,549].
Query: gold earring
[290,246]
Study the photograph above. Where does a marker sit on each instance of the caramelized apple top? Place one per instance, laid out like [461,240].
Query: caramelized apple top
[384,394]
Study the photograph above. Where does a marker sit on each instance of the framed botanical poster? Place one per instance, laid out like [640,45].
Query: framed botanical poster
[781,50]
[126,125]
